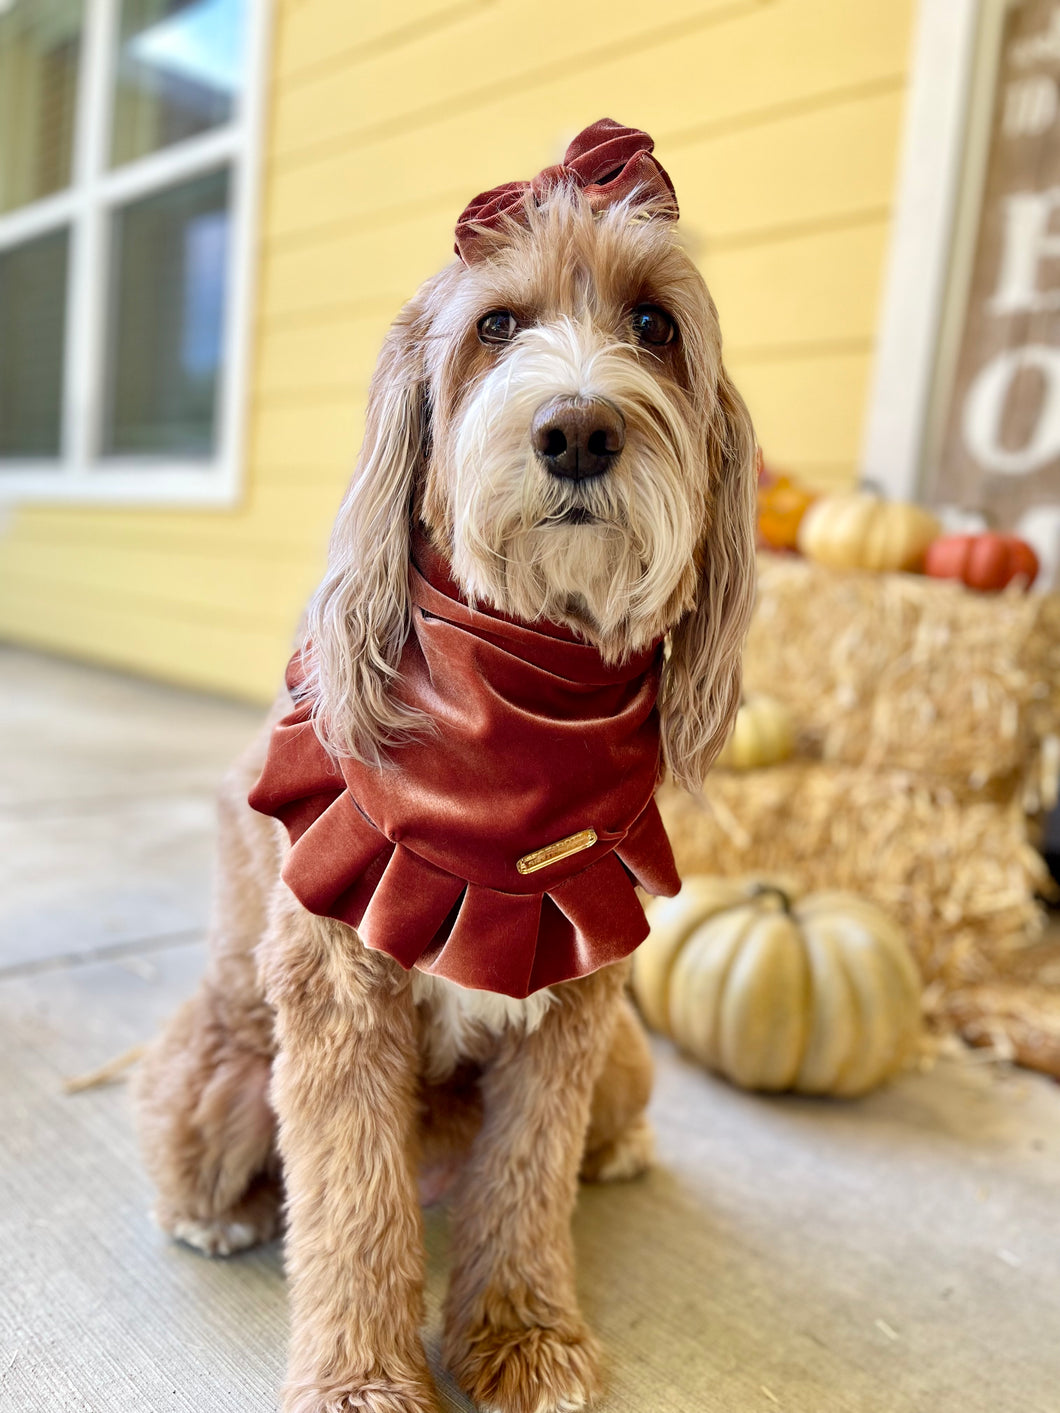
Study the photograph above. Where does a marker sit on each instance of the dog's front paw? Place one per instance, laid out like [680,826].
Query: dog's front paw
[375,1394]
[527,1369]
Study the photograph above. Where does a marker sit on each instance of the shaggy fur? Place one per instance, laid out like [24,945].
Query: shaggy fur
[307,1059]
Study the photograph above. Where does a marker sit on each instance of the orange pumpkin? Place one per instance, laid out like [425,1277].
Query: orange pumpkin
[988,561]
[781,506]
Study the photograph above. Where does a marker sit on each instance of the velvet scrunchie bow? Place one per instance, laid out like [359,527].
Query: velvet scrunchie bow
[607,161]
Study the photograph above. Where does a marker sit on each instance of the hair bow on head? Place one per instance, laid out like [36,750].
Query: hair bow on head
[607,161]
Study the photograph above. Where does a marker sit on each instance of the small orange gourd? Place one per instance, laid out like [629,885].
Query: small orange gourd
[781,506]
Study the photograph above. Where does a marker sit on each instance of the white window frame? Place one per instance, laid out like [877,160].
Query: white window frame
[943,167]
[81,473]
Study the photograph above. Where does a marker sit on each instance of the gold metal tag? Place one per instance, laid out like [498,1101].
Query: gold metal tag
[561,849]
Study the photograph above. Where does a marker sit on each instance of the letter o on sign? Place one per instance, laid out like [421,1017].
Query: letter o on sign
[984,406]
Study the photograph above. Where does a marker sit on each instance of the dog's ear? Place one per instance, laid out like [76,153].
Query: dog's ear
[701,684]
[359,617]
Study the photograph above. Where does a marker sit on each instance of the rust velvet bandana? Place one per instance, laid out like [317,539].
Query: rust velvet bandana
[501,849]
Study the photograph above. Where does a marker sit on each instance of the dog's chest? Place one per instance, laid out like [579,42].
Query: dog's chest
[461,1024]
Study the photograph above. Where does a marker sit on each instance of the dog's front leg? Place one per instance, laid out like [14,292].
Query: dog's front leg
[344,1092]
[514,1337]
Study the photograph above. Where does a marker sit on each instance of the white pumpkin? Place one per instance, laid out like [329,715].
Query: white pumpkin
[820,995]
[762,734]
[860,530]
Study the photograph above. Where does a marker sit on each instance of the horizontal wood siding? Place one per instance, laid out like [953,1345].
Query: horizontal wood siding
[779,122]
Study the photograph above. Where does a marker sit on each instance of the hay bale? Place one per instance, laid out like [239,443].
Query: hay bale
[960,876]
[898,672]
[1019,1022]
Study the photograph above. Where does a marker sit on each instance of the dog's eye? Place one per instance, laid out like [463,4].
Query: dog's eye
[498,326]
[652,326]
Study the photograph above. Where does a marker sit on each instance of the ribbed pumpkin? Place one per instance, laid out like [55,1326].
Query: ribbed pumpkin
[988,561]
[781,506]
[861,530]
[820,996]
[762,734]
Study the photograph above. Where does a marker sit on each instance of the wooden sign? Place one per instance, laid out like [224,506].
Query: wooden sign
[1001,450]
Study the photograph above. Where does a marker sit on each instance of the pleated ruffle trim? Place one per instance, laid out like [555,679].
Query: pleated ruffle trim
[479,937]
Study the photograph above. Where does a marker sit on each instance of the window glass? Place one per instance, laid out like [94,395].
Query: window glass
[179,66]
[40,48]
[32,326]
[168,268]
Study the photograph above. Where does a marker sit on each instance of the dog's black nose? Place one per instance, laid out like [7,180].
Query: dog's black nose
[578,437]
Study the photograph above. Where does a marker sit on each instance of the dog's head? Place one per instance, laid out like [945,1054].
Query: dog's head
[554,408]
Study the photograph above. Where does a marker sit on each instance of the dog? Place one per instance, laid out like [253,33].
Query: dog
[554,457]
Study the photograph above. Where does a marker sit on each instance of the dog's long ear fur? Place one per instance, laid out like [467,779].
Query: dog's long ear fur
[701,684]
[359,617]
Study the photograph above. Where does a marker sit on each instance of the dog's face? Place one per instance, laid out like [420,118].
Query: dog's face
[572,377]
[558,416]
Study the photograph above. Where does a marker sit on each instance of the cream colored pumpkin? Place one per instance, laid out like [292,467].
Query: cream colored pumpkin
[860,530]
[821,995]
[762,734]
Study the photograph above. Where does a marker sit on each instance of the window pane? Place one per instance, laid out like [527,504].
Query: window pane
[40,45]
[179,69]
[168,292]
[32,325]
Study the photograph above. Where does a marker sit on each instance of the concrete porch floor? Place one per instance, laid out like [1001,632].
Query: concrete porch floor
[900,1254]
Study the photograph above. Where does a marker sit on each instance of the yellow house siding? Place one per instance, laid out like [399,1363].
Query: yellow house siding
[779,122]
